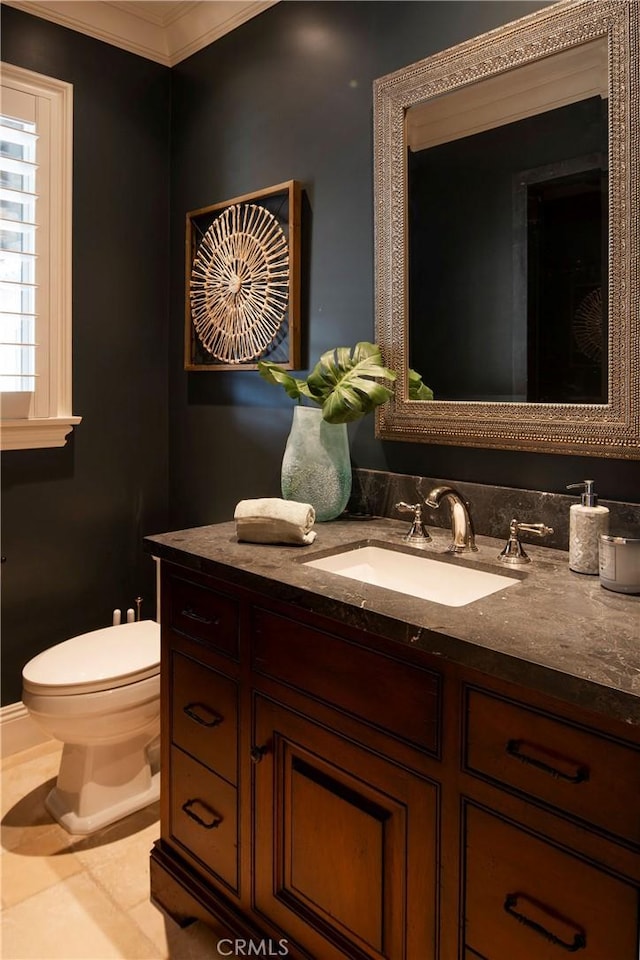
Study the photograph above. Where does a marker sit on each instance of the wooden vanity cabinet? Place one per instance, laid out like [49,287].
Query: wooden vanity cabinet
[361,800]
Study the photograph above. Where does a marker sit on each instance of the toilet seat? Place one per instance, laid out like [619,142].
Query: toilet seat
[99,660]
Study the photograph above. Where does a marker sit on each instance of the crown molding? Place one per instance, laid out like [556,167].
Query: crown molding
[204,25]
[161,12]
[165,32]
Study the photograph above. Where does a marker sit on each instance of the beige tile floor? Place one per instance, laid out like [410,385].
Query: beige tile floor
[80,898]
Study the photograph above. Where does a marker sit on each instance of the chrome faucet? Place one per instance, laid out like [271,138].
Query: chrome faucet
[463,537]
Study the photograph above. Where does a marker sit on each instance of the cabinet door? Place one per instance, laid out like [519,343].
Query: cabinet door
[345,843]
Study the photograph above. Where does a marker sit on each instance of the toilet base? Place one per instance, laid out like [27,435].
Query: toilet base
[97,786]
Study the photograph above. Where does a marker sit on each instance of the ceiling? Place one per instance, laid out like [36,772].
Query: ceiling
[166,31]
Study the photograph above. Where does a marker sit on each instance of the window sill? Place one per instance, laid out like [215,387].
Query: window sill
[36,433]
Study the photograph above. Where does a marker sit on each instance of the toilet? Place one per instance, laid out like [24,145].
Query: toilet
[99,693]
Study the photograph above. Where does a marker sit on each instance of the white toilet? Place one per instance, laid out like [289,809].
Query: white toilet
[99,693]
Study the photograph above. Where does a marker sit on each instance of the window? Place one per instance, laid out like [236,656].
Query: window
[36,142]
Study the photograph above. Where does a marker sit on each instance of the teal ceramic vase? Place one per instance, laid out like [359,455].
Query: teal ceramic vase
[316,467]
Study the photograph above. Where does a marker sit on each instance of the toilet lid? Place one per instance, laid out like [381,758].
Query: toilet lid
[95,661]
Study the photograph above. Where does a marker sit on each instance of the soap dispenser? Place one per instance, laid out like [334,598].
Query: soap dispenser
[587,520]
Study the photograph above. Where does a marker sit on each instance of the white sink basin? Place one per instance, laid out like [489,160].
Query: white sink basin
[419,576]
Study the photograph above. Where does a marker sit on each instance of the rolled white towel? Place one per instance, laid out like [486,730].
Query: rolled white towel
[271,520]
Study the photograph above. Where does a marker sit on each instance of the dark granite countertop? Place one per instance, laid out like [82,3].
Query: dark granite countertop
[555,631]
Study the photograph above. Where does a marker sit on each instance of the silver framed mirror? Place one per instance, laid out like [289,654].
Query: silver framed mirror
[499,281]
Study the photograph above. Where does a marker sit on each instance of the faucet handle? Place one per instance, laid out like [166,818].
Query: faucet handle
[407,507]
[540,529]
[418,534]
[513,551]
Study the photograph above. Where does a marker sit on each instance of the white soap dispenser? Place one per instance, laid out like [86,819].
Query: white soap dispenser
[587,520]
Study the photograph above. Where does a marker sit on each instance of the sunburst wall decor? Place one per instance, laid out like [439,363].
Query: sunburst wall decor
[242,272]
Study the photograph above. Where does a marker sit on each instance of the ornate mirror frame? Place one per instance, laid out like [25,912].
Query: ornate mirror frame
[602,430]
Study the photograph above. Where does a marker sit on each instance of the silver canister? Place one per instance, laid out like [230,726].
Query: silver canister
[620,563]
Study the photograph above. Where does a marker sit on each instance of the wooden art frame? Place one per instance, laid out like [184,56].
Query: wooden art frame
[242,281]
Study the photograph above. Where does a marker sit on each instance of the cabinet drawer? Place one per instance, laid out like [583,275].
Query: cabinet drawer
[528,900]
[204,714]
[581,773]
[204,615]
[399,697]
[204,816]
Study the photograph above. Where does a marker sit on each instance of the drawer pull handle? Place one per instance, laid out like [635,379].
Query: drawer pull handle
[257,753]
[192,709]
[514,749]
[191,614]
[215,820]
[579,941]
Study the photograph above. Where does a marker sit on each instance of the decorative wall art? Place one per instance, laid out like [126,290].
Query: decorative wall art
[242,274]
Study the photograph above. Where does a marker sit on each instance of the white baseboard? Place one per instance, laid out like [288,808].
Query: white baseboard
[17,730]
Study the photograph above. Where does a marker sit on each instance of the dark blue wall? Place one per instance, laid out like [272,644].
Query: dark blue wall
[73,518]
[289,95]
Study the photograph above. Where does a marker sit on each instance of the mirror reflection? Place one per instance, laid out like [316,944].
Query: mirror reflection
[508,234]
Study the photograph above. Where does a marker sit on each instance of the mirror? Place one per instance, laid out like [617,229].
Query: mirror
[506,255]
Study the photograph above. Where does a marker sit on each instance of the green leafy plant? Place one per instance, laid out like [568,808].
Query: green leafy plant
[417,389]
[345,382]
